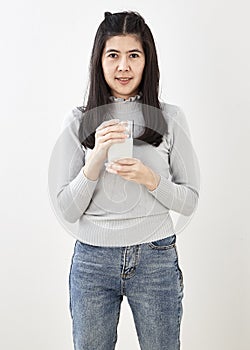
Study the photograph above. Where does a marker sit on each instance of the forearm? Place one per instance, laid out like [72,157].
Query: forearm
[74,198]
[92,167]
[176,197]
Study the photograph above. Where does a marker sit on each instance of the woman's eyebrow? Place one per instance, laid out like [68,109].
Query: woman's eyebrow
[114,50]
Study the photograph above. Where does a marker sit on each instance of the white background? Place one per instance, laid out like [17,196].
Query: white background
[204,56]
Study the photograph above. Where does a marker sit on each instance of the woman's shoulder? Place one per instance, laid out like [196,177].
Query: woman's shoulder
[72,117]
[170,110]
[174,115]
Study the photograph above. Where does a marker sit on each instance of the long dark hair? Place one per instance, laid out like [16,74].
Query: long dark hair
[123,23]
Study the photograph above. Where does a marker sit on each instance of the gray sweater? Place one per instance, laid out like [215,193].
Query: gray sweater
[112,211]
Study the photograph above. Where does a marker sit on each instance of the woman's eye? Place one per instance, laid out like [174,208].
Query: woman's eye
[112,55]
[134,55]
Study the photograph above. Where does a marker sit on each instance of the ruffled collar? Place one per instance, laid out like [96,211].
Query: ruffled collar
[130,99]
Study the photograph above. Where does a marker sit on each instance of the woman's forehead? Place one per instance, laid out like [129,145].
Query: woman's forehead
[123,43]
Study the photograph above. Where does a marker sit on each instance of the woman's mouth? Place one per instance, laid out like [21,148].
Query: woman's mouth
[123,81]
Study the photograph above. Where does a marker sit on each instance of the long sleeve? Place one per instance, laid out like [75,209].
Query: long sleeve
[181,193]
[74,190]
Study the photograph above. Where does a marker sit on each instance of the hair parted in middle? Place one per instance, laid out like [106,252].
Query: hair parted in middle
[123,23]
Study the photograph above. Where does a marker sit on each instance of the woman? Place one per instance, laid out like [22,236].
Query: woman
[126,242]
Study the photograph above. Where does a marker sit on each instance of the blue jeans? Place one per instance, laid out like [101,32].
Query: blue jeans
[147,274]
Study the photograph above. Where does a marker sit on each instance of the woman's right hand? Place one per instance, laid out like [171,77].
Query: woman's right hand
[108,133]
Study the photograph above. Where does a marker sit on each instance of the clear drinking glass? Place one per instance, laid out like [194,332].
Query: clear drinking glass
[125,149]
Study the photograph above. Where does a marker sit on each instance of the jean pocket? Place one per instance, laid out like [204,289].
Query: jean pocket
[164,244]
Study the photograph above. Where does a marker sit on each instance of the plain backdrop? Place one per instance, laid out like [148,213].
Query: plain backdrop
[204,58]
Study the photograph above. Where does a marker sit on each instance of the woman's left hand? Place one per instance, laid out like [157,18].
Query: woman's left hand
[133,169]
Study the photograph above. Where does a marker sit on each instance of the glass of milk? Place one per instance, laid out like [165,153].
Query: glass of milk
[124,149]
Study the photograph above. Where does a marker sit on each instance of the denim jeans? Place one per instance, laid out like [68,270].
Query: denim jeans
[147,274]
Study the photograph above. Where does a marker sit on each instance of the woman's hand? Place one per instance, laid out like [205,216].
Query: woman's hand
[108,133]
[133,169]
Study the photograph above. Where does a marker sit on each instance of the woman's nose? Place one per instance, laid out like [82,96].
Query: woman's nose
[123,64]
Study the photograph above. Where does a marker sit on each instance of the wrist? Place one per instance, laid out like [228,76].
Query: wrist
[92,167]
[152,181]
[95,157]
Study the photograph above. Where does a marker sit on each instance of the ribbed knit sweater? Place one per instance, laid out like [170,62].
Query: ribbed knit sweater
[112,211]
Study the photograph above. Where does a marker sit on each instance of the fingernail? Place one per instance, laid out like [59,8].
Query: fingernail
[111,171]
[108,164]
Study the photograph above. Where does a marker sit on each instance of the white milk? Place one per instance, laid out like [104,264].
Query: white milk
[121,150]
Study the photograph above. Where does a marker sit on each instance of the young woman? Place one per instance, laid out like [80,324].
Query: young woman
[126,242]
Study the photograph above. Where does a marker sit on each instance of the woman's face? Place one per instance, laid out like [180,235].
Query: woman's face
[123,61]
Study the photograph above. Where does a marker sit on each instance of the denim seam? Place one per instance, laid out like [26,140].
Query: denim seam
[69,281]
[179,271]
[180,313]
[117,321]
[131,273]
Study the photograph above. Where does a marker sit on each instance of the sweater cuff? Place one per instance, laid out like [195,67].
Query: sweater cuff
[82,186]
[165,189]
